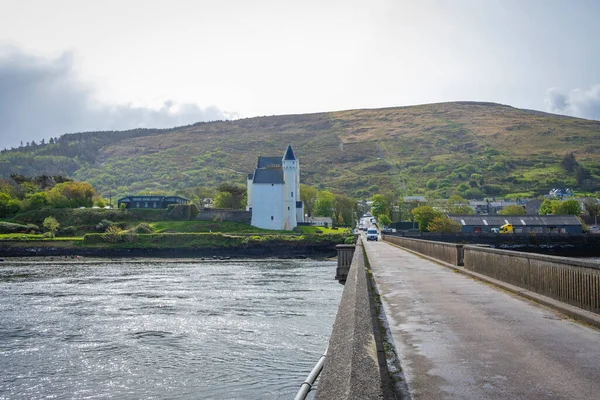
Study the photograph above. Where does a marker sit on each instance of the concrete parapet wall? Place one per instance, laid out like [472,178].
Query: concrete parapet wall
[447,252]
[564,279]
[351,369]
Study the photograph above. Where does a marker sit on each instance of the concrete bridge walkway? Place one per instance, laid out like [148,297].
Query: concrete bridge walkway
[459,338]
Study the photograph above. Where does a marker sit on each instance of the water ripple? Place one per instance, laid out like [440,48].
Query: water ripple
[172,330]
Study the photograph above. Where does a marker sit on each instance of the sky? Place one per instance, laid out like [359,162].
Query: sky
[72,66]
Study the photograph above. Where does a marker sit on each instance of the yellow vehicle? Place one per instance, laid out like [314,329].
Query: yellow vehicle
[507,228]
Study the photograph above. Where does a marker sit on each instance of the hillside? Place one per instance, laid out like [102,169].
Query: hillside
[477,148]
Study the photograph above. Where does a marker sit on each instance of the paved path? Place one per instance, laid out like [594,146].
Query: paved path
[458,338]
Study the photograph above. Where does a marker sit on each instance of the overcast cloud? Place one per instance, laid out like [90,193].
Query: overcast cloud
[583,103]
[42,98]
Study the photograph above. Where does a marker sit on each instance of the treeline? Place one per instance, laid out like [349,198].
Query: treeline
[65,154]
[22,194]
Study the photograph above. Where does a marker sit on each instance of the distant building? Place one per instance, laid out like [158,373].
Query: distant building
[480,206]
[321,221]
[274,192]
[150,201]
[532,207]
[521,223]
[560,193]
[414,199]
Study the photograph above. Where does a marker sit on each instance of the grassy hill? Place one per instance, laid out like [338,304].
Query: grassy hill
[475,148]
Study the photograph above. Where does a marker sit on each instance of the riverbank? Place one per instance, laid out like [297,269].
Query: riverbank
[211,246]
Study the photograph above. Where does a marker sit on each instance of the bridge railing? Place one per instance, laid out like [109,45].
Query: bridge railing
[448,252]
[572,281]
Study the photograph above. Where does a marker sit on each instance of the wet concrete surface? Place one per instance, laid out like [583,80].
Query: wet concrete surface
[459,338]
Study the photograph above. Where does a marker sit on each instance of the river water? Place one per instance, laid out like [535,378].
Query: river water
[163,330]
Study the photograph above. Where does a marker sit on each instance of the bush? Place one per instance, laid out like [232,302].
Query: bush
[68,231]
[103,225]
[9,227]
[33,227]
[113,234]
[144,228]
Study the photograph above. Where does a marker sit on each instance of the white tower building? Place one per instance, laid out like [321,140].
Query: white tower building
[291,193]
[274,192]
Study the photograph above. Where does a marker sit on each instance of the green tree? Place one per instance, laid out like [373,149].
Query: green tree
[380,205]
[324,204]
[568,162]
[344,208]
[36,201]
[459,206]
[77,194]
[547,206]
[51,225]
[424,215]
[592,207]
[567,207]
[512,209]
[384,220]
[443,224]
[8,205]
[308,196]
[224,200]
[230,196]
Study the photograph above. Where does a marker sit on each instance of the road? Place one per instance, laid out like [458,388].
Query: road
[458,338]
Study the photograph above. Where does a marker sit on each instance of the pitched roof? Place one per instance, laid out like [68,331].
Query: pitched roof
[289,153]
[517,220]
[264,162]
[268,176]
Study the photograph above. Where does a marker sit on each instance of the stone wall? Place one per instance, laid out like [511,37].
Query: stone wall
[351,368]
[216,214]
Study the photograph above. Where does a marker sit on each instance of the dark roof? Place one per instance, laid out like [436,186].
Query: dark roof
[264,162]
[516,220]
[289,153]
[268,176]
[149,197]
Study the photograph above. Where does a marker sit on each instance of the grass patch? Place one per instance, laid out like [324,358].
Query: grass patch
[311,230]
[30,237]
[204,227]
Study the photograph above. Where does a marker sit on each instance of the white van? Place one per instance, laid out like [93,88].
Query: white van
[372,234]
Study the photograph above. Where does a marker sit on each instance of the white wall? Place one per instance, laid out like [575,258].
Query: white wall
[291,193]
[267,201]
[249,194]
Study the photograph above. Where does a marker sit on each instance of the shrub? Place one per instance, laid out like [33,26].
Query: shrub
[144,228]
[103,225]
[9,227]
[33,227]
[51,224]
[113,234]
[129,236]
[68,231]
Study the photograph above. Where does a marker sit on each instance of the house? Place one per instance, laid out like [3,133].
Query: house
[274,192]
[150,201]
[327,222]
[520,223]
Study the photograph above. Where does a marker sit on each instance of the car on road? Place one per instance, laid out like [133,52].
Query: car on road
[372,234]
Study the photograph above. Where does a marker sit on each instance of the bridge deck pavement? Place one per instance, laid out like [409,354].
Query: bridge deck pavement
[458,338]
